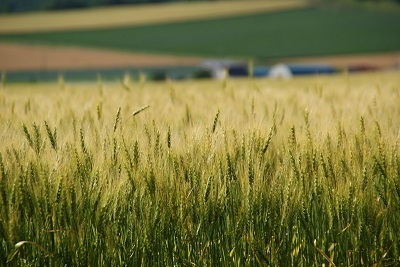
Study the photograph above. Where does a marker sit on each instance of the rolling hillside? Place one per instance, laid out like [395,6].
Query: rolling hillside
[138,15]
[302,32]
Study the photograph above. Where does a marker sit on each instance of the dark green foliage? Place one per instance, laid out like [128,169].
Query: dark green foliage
[202,74]
[159,76]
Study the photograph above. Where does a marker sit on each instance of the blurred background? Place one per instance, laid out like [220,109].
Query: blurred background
[43,40]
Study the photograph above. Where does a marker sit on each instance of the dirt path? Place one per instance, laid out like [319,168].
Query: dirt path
[18,57]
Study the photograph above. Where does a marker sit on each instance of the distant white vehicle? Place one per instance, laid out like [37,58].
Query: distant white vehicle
[280,71]
[218,67]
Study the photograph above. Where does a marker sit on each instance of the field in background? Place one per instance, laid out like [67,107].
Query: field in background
[301,32]
[22,57]
[230,173]
[178,35]
[135,15]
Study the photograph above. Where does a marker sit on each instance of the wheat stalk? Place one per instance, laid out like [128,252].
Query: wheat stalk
[140,110]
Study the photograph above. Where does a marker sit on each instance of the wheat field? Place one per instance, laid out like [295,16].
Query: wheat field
[247,172]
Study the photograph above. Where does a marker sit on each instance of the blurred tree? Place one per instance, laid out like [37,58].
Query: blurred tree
[68,4]
[5,6]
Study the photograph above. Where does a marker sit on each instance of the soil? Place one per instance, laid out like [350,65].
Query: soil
[20,57]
